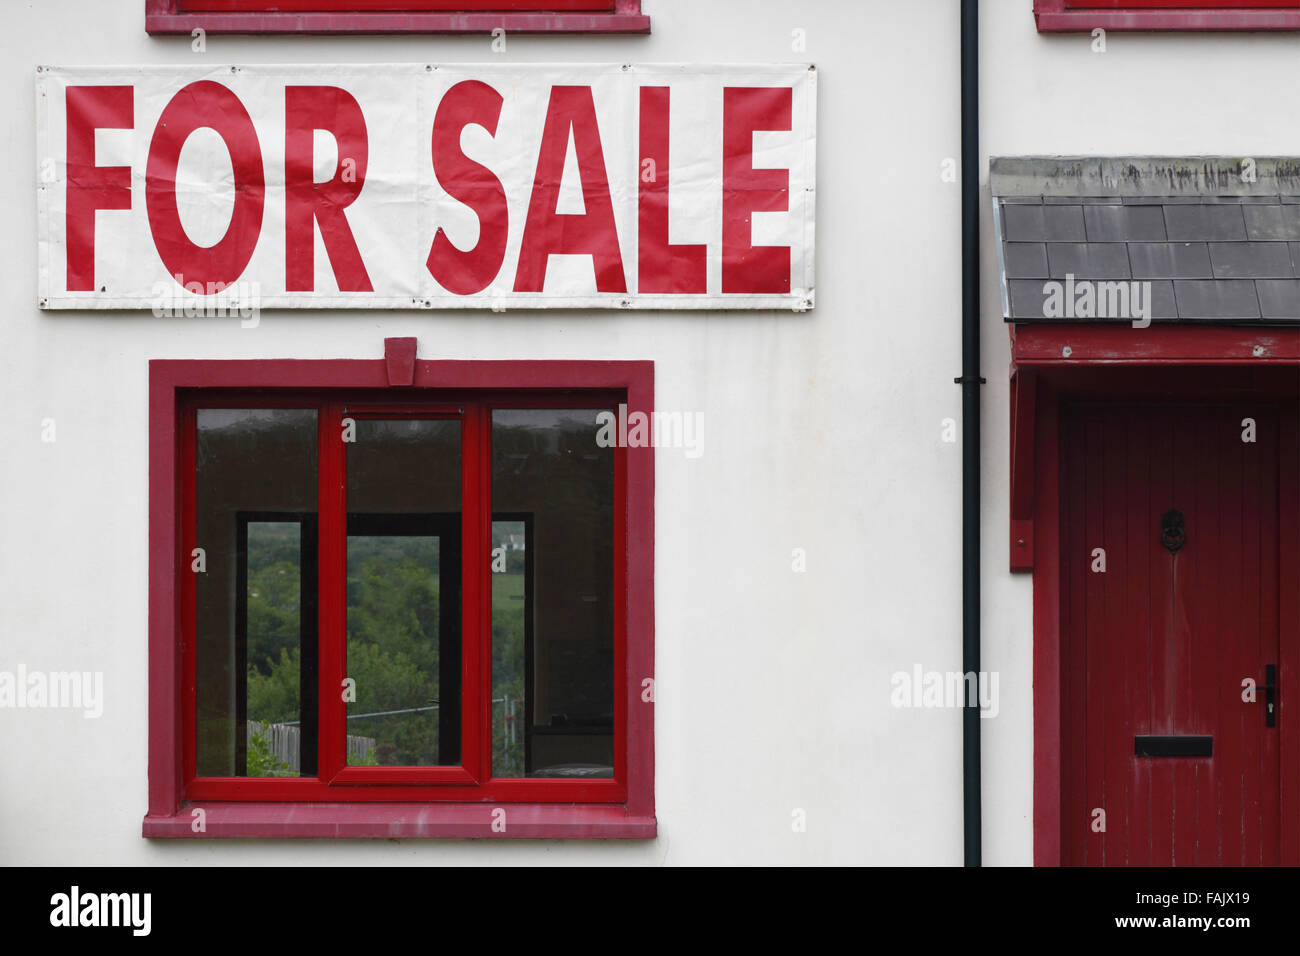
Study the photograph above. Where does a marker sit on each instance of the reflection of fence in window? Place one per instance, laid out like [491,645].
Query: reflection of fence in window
[360,752]
[284,743]
[284,740]
[512,625]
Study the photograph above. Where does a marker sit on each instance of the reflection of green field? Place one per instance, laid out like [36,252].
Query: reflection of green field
[507,632]
[507,592]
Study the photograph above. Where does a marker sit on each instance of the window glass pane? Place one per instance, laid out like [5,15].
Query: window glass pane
[511,621]
[553,510]
[255,663]
[403,593]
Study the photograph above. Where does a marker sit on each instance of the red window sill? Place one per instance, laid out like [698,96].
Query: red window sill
[1052,16]
[162,17]
[535,821]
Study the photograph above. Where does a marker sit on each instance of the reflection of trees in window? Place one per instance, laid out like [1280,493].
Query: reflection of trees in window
[403,637]
[275,641]
[257,657]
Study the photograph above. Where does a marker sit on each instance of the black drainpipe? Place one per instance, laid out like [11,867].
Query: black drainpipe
[970,382]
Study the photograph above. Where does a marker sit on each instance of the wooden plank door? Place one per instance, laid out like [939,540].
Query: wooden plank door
[1159,628]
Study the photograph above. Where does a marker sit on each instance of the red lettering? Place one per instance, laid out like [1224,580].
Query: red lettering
[592,232]
[92,187]
[661,266]
[307,109]
[205,104]
[472,270]
[747,268]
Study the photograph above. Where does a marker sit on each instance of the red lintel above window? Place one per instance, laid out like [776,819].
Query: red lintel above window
[1064,16]
[395,16]
[451,6]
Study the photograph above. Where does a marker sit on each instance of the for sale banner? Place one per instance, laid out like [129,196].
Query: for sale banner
[424,186]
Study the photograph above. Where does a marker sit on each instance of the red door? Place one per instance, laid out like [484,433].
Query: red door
[1169,601]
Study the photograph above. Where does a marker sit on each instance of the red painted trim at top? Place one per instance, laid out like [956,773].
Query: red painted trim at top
[414,6]
[1046,345]
[283,814]
[1055,16]
[1071,4]
[162,17]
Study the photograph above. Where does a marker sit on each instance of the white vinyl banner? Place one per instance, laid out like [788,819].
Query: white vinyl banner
[420,186]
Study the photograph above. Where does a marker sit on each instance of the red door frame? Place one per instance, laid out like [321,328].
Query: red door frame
[1052,364]
[296,808]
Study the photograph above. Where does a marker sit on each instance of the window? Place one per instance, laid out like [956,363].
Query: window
[399,610]
[1088,15]
[395,16]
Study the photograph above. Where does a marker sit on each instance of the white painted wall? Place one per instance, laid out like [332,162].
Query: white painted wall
[822,432]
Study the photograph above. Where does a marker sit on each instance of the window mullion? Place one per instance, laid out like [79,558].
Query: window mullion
[476,570]
[332,594]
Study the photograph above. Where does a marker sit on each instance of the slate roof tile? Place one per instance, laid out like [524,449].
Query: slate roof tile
[1204,221]
[1088,260]
[1170,260]
[1279,298]
[1217,249]
[1216,299]
[1250,260]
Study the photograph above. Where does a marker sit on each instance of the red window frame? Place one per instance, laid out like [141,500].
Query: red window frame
[406,802]
[395,16]
[1072,16]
